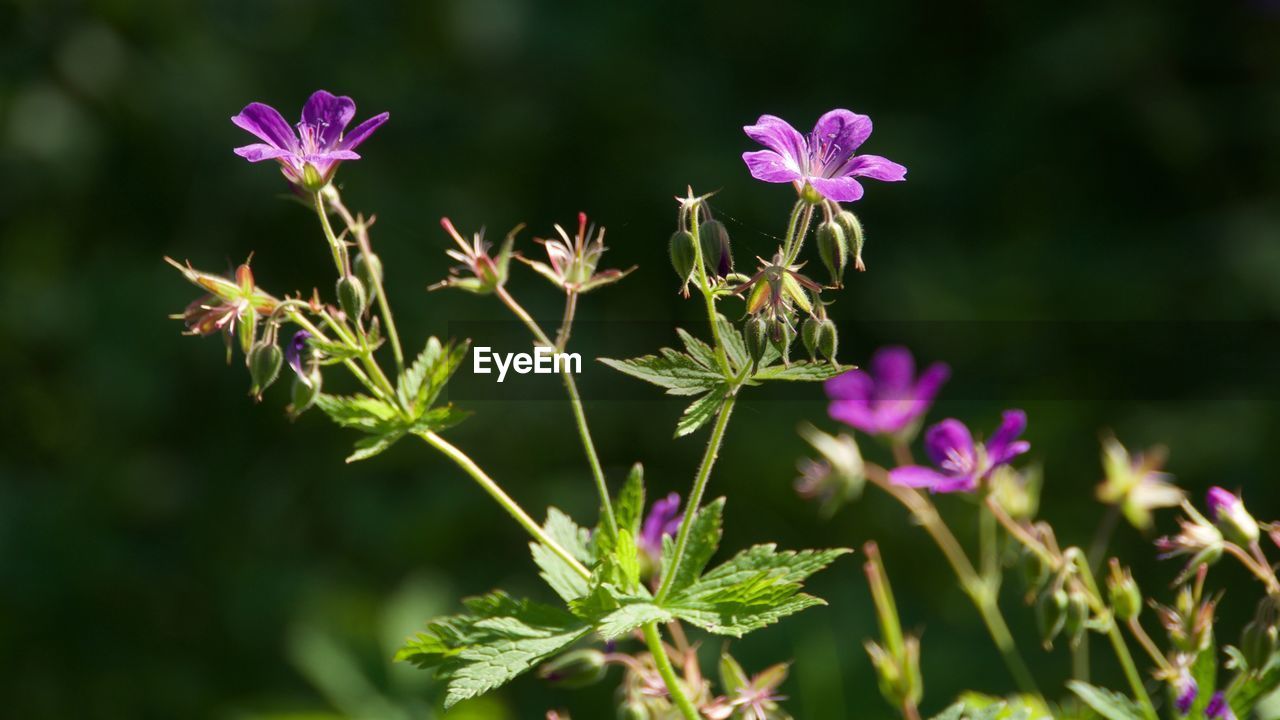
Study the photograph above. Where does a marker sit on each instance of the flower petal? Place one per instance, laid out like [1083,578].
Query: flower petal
[876,167]
[947,439]
[956,483]
[769,166]
[917,476]
[836,136]
[894,370]
[931,380]
[362,131]
[330,114]
[842,189]
[778,135]
[257,152]
[1001,446]
[267,123]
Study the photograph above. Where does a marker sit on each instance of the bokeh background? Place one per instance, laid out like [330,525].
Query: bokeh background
[1080,174]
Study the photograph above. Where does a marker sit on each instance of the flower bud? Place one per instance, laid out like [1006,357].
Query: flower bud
[828,341]
[809,333]
[351,296]
[265,361]
[368,268]
[247,330]
[633,709]
[306,388]
[683,254]
[1077,618]
[1033,570]
[575,669]
[833,248]
[1258,640]
[717,255]
[781,335]
[1051,614]
[1231,517]
[1123,593]
[852,236]
[756,332]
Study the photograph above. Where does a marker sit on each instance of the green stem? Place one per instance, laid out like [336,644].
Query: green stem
[1113,633]
[566,323]
[796,241]
[653,639]
[335,245]
[982,595]
[384,307]
[513,509]
[359,374]
[990,547]
[708,296]
[579,413]
[695,499]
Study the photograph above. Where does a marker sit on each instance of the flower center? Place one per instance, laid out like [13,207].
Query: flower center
[310,135]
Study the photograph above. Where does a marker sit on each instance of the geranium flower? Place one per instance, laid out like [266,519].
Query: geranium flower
[821,163]
[309,152]
[961,463]
[573,261]
[888,399]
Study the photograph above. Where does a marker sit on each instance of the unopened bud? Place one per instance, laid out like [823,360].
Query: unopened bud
[828,340]
[756,332]
[1258,640]
[809,333]
[833,248]
[1034,571]
[1123,593]
[781,335]
[633,709]
[1051,614]
[306,388]
[717,255]
[265,361]
[575,669]
[368,267]
[1077,617]
[351,296]
[1231,517]
[852,236]
[683,254]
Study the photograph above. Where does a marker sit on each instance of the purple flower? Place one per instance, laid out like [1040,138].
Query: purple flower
[1218,709]
[890,397]
[1185,691]
[961,463]
[295,352]
[663,519]
[1221,502]
[1228,511]
[310,151]
[824,160]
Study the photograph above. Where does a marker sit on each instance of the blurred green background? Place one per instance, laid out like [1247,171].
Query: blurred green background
[169,549]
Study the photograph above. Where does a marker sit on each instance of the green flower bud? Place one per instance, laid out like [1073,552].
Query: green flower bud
[1077,617]
[575,669]
[853,236]
[756,332]
[1258,640]
[351,296]
[369,269]
[833,248]
[809,334]
[828,341]
[1051,614]
[633,710]
[717,255]
[1033,570]
[305,391]
[265,360]
[781,335]
[683,254]
[1123,593]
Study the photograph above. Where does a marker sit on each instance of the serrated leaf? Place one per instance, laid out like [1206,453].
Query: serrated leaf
[562,578]
[734,346]
[439,418]
[701,412]
[704,538]
[738,620]
[677,372]
[423,380]
[628,559]
[495,641]
[629,617]
[703,353]
[1247,690]
[360,412]
[332,352]
[803,371]
[629,510]
[954,712]
[1109,704]
[367,447]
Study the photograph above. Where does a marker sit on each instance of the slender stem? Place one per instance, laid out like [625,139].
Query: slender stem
[798,241]
[902,453]
[708,295]
[1261,570]
[513,509]
[335,245]
[695,498]
[989,547]
[1102,537]
[653,639]
[980,593]
[566,324]
[351,365]
[361,232]
[1140,634]
[579,413]
[1273,586]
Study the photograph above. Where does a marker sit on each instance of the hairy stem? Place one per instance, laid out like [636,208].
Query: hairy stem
[513,509]
[335,245]
[361,232]
[708,296]
[695,498]
[980,593]
[653,639]
[566,324]
[579,414]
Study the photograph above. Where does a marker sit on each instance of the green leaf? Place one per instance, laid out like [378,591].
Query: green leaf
[426,377]
[1109,704]
[756,588]
[562,578]
[702,411]
[629,617]
[629,509]
[701,352]
[628,559]
[734,346]
[804,371]
[360,412]
[1204,671]
[439,418]
[332,352]
[495,641]
[1247,690]
[704,538]
[367,447]
[678,373]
